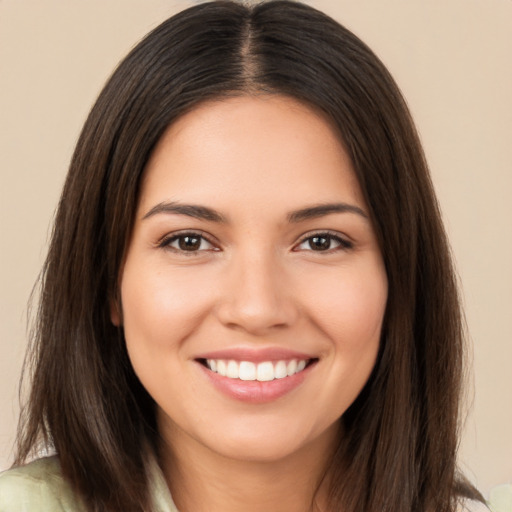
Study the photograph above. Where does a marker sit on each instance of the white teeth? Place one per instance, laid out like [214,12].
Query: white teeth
[265,371]
[221,368]
[291,368]
[247,370]
[232,370]
[262,372]
[280,370]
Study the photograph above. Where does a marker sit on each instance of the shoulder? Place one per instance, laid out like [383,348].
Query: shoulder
[38,486]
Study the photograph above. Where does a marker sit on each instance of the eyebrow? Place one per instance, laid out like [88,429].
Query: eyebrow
[313,212]
[209,214]
[190,210]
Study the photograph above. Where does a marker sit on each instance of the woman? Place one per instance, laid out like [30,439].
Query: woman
[248,301]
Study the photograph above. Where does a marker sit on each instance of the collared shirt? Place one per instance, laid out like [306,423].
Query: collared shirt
[40,487]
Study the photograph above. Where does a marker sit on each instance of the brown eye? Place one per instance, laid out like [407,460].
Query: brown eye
[189,243]
[324,242]
[320,243]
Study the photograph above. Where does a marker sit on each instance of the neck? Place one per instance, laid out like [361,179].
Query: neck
[201,480]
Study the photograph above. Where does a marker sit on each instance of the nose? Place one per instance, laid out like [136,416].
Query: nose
[257,297]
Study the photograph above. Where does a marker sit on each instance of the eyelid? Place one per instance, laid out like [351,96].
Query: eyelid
[343,240]
[165,241]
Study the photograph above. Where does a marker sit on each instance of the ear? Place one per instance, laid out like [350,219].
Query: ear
[115,312]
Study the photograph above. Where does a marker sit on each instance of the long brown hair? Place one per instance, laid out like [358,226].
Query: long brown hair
[398,450]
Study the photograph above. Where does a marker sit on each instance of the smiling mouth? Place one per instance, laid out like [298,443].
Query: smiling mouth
[264,371]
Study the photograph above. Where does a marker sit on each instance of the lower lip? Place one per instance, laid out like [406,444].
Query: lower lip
[253,391]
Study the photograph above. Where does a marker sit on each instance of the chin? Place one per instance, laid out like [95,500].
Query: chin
[262,450]
[273,442]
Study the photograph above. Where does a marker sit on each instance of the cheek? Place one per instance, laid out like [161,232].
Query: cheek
[162,307]
[351,308]
[161,310]
[350,314]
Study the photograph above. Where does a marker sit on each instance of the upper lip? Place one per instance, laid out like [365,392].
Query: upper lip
[256,355]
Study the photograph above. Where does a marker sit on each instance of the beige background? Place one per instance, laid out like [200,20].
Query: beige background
[453,60]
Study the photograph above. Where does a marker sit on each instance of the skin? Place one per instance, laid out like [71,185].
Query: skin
[256,280]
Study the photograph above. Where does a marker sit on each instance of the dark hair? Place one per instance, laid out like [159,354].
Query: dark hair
[398,451]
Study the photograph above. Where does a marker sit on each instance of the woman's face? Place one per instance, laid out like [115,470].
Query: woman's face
[253,290]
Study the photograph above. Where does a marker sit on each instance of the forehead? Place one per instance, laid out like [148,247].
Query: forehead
[267,148]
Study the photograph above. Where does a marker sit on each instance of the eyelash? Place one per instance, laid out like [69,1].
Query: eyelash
[165,243]
[343,243]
